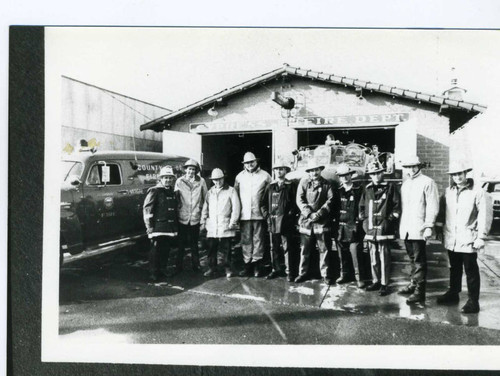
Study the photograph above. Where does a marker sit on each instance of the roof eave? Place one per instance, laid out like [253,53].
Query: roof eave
[154,124]
[158,124]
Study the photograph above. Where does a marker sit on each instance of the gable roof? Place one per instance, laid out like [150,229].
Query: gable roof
[158,124]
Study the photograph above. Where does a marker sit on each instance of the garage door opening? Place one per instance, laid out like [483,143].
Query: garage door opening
[383,137]
[226,152]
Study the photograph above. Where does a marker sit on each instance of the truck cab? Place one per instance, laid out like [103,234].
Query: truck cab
[102,194]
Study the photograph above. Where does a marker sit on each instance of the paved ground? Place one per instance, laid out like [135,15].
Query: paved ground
[107,298]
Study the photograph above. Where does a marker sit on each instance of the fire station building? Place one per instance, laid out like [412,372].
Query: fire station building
[289,108]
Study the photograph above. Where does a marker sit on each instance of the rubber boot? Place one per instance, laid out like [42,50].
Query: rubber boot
[418,295]
[247,271]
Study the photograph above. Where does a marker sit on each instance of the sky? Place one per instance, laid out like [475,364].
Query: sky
[173,67]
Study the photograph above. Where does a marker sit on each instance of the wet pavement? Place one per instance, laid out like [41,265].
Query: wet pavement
[111,298]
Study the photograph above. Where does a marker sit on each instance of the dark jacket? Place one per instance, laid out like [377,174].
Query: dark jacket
[160,211]
[380,209]
[314,197]
[278,207]
[350,228]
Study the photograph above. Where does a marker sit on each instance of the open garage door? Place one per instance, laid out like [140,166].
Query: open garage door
[183,144]
[226,151]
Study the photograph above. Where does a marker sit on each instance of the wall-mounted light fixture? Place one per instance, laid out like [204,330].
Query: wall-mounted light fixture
[212,111]
[286,102]
[359,92]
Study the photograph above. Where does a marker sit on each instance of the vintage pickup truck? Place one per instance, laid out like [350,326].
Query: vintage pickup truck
[102,194]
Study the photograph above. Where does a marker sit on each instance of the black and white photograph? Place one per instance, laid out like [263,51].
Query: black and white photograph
[271,197]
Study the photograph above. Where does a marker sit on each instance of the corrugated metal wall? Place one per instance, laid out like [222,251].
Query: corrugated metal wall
[106,119]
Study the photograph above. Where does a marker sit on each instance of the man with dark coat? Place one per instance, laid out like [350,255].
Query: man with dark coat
[160,218]
[350,230]
[379,208]
[278,207]
[314,199]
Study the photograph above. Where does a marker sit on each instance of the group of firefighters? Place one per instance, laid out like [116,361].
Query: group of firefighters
[348,214]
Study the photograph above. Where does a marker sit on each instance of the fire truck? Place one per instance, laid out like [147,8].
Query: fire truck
[355,155]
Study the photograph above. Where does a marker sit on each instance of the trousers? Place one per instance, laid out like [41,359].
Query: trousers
[252,240]
[215,244]
[279,242]
[158,254]
[188,236]
[323,241]
[467,261]
[351,259]
[380,256]
[418,260]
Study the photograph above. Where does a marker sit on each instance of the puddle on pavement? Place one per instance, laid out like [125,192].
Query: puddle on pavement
[301,290]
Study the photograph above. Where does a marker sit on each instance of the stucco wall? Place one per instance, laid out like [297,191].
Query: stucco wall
[430,130]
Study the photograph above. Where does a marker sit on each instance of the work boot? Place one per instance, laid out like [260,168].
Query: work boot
[373,287]
[210,273]
[179,269]
[247,271]
[301,278]
[274,274]
[328,281]
[361,284]
[408,289]
[156,277]
[472,306]
[343,279]
[258,270]
[196,268]
[229,273]
[418,295]
[448,298]
[384,290]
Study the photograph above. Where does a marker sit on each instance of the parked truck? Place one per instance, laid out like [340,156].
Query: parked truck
[102,193]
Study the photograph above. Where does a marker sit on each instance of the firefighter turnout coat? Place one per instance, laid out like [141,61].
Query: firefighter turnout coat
[379,209]
[350,227]
[278,207]
[160,211]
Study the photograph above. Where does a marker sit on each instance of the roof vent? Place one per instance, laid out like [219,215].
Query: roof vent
[455,92]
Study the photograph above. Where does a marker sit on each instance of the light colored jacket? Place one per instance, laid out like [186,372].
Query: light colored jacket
[420,206]
[465,214]
[191,198]
[221,211]
[251,187]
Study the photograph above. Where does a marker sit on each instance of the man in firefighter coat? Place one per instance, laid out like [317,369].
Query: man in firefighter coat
[463,223]
[314,199]
[278,207]
[420,205]
[350,230]
[160,217]
[191,190]
[379,209]
[250,185]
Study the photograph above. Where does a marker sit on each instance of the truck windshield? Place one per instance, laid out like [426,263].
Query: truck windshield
[71,168]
